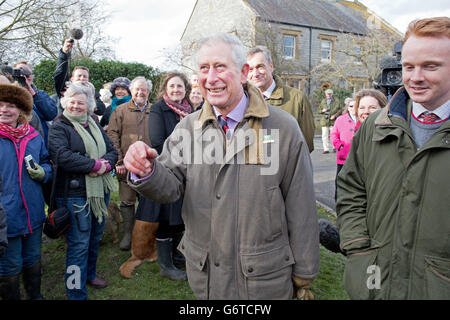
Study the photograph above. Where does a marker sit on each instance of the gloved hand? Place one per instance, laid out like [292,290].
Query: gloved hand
[37,174]
[303,287]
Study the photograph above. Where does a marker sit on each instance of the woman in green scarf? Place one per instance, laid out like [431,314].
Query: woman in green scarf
[85,156]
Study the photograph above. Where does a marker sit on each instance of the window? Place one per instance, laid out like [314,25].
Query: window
[326,49]
[357,53]
[288,46]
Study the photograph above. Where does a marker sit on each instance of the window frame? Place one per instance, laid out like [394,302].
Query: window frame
[332,39]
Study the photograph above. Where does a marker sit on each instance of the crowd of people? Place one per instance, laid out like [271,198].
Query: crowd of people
[223,218]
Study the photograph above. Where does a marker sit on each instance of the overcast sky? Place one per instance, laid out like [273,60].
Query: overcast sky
[145,28]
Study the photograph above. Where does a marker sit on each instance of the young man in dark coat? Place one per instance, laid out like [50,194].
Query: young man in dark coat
[79,73]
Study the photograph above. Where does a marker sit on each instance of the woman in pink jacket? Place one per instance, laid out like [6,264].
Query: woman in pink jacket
[341,136]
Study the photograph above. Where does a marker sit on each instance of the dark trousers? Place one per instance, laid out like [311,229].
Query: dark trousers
[339,167]
[168,231]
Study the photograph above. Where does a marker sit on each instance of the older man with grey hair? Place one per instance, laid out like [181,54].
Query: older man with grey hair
[245,176]
[128,124]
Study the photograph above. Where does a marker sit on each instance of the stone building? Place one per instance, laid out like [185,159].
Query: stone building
[301,34]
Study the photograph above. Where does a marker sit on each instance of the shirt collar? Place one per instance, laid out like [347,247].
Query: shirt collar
[269,90]
[238,112]
[137,106]
[443,112]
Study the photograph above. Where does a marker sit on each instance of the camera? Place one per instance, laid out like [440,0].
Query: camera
[390,79]
[19,74]
[29,162]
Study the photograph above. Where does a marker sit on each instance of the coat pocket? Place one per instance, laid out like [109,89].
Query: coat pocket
[196,268]
[268,275]
[276,205]
[437,278]
[360,275]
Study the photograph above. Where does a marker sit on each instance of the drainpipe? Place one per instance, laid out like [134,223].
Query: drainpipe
[310,61]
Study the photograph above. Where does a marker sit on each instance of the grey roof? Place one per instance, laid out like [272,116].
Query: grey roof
[322,14]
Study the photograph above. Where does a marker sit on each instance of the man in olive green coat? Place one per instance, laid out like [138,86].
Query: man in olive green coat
[246,182]
[330,108]
[278,94]
[393,192]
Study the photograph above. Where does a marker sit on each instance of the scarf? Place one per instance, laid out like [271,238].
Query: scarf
[116,102]
[17,133]
[182,109]
[95,146]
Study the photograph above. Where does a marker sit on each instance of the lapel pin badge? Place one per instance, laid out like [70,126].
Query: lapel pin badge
[268,139]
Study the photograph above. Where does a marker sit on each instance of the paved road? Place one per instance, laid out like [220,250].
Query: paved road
[324,166]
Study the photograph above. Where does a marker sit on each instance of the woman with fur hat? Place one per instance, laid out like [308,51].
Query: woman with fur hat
[22,196]
[120,90]
[85,156]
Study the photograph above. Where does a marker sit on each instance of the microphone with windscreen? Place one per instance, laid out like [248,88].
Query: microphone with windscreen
[75,34]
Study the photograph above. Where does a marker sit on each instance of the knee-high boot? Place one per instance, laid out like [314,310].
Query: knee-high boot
[165,254]
[127,213]
[10,287]
[32,281]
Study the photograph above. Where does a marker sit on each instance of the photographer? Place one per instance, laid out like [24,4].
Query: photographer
[44,106]
[392,201]
[79,74]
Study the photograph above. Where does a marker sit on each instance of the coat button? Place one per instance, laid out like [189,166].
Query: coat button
[217,264]
[287,258]
[201,264]
[250,269]
[218,196]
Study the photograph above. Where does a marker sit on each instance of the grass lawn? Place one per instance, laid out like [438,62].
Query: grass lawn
[148,285]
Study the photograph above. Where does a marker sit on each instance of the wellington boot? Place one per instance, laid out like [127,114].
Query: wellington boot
[168,270]
[127,213]
[32,282]
[10,287]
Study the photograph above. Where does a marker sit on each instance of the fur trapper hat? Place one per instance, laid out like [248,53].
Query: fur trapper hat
[123,82]
[17,95]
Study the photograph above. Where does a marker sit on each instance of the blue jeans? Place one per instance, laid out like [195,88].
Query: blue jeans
[83,239]
[22,252]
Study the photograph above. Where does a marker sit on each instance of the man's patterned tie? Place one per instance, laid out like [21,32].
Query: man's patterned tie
[428,117]
[223,123]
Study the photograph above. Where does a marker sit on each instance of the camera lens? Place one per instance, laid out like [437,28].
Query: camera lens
[394,78]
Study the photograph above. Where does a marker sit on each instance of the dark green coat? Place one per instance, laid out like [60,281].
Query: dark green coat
[335,110]
[393,208]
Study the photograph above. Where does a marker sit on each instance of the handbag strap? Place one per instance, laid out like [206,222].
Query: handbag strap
[66,185]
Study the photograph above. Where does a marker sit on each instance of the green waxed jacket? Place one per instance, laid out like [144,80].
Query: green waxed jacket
[393,209]
[297,104]
[335,110]
[248,230]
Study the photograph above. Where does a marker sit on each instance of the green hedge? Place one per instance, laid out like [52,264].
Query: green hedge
[100,72]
